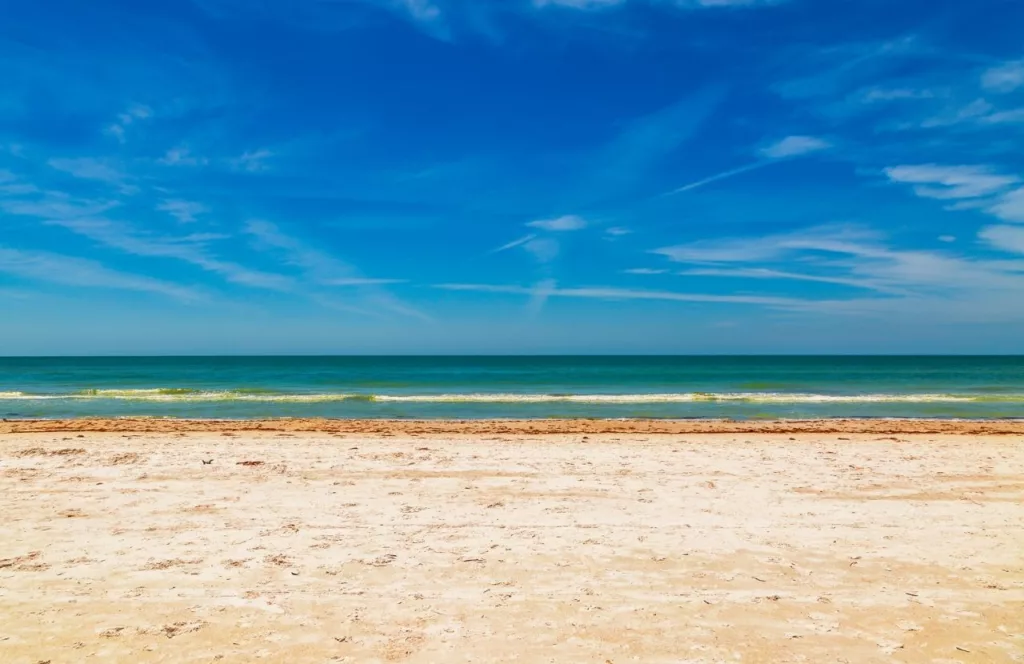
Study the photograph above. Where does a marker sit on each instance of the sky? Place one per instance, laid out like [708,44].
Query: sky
[511,176]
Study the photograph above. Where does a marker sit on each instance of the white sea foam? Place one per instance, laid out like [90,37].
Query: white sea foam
[173,395]
[686,397]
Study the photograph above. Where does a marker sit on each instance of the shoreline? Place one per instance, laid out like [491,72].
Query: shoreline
[522,426]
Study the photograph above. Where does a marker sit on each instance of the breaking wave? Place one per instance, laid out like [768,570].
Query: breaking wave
[247,395]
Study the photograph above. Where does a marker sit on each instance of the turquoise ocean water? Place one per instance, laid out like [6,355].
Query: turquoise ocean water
[513,387]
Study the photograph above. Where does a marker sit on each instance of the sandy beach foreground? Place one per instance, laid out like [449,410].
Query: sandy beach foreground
[313,541]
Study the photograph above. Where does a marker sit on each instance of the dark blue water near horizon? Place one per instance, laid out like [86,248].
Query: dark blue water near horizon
[514,387]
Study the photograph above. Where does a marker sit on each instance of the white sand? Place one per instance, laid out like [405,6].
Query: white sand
[511,548]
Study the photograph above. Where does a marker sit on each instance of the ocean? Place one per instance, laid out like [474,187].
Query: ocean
[513,387]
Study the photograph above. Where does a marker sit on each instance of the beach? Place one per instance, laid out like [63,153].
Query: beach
[497,541]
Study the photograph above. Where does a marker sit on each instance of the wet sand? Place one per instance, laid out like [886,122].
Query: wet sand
[540,541]
[546,426]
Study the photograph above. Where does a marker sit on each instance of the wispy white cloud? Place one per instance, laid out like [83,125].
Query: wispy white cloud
[794,146]
[1012,116]
[762,248]
[181,157]
[318,265]
[826,73]
[1010,206]
[252,161]
[184,211]
[569,222]
[727,250]
[875,95]
[951,182]
[323,269]
[598,5]
[626,161]
[1004,238]
[617,231]
[419,10]
[124,238]
[1005,77]
[202,238]
[51,204]
[542,292]
[980,188]
[621,294]
[135,112]
[335,16]
[770,274]
[859,79]
[19,189]
[83,273]
[968,204]
[970,307]
[580,4]
[730,3]
[13,186]
[645,271]
[514,243]
[828,239]
[724,175]
[363,281]
[789,147]
[975,111]
[439,18]
[972,187]
[119,128]
[932,282]
[543,249]
[932,99]
[91,168]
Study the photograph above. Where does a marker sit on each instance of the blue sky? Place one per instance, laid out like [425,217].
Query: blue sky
[514,176]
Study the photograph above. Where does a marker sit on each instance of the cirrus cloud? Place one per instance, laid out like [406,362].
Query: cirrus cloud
[1005,77]
[569,222]
[794,146]
[950,182]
